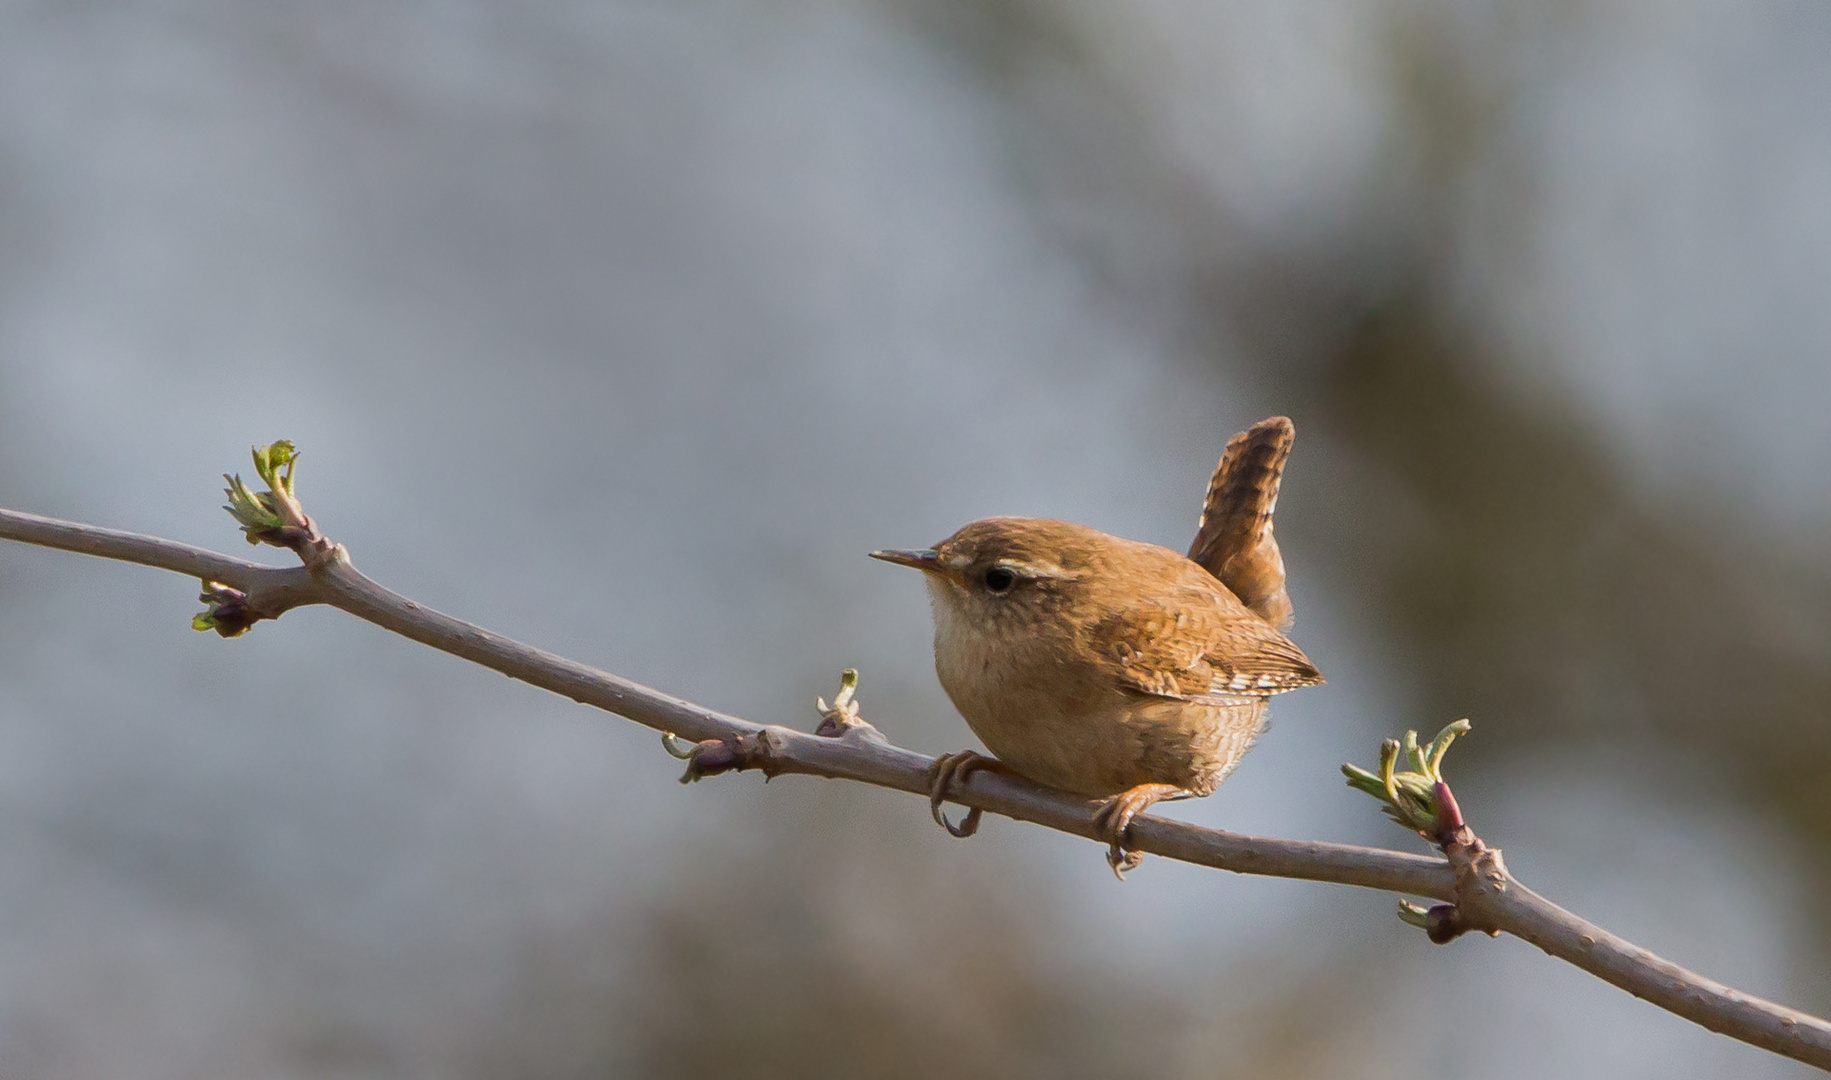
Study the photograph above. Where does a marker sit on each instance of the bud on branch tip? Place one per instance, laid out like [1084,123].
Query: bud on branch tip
[1409,797]
[262,515]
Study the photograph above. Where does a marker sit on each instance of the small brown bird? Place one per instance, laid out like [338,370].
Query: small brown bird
[1113,668]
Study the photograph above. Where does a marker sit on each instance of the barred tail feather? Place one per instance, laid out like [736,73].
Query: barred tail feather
[1234,541]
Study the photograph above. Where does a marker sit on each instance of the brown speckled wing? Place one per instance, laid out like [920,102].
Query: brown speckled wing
[1234,541]
[1201,652]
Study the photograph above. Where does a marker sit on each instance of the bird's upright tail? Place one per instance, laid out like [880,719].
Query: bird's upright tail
[1234,541]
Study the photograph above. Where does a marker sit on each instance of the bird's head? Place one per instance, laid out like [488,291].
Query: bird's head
[1007,575]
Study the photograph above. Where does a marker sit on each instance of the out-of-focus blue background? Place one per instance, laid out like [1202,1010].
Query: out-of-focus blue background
[627,328]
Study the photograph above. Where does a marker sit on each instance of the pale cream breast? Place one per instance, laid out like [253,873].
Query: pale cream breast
[1069,725]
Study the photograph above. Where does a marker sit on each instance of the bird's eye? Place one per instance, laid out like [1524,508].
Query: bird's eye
[998,579]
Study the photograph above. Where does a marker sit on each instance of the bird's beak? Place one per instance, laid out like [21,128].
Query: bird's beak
[925,559]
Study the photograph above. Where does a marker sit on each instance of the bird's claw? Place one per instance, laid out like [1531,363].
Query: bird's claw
[1114,819]
[1122,859]
[948,770]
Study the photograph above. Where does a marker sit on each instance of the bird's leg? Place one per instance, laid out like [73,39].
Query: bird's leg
[951,769]
[1115,816]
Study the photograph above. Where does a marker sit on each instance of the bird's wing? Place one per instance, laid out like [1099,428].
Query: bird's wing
[1198,651]
[1234,541]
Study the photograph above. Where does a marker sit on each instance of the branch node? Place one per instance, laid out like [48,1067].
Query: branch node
[733,753]
[840,720]
[1420,799]
[275,516]
[228,612]
[1442,923]
[231,611]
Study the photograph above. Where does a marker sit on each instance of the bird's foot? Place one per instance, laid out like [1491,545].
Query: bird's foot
[1115,816]
[951,769]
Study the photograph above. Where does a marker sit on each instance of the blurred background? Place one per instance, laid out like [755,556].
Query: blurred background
[627,328]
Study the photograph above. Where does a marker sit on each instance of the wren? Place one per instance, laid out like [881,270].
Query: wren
[1112,668]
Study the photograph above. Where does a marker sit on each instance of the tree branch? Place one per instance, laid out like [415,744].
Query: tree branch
[857,753]
[1477,890]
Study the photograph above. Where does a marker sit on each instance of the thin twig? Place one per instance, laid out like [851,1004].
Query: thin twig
[1486,895]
